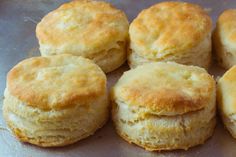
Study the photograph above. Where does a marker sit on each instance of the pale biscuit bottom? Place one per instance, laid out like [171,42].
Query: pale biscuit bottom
[54,127]
[153,132]
[182,142]
[200,55]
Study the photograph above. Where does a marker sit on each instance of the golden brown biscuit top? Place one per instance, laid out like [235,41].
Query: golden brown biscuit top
[226,24]
[227,91]
[80,23]
[56,82]
[165,88]
[167,28]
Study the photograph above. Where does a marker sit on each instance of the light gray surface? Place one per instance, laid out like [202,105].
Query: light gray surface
[18,19]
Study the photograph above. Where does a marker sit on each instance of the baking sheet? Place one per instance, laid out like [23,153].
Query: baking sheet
[18,19]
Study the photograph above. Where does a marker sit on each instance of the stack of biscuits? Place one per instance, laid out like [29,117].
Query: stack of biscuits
[166,101]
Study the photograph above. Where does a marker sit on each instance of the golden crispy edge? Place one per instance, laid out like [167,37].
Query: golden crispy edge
[227,16]
[229,75]
[166,101]
[30,98]
[44,37]
[207,30]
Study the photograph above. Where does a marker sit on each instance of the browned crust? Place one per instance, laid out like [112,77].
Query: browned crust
[95,31]
[226,92]
[64,85]
[170,27]
[226,24]
[165,100]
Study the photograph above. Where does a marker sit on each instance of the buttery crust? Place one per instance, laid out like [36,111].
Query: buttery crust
[56,82]
[164,106]
[165,88]
[92,29]
[55,101]
[171,31]
[226,99]
[227,92]
[54,128]
[224,38]
[227,23]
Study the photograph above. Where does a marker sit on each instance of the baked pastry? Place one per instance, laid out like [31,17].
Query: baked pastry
[224,39]
[164,106]
[55,101]
[171,31]
[92,29]
[226,98]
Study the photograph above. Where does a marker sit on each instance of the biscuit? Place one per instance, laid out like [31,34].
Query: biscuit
[164,106]
[92,29]
[224,39]
[55,101]
[171,31]
[226,98]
